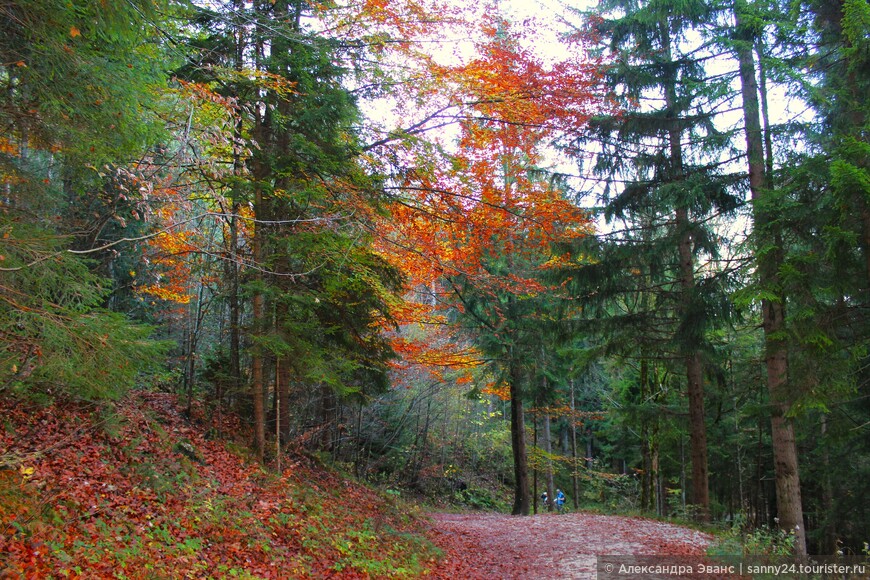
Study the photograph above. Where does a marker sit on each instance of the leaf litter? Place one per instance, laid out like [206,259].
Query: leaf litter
[555,546]
[142,492]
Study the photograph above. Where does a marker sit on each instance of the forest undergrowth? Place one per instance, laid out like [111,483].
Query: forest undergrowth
[138,490]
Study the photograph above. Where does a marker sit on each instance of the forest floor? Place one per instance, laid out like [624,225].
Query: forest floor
[138,490]
[554,546]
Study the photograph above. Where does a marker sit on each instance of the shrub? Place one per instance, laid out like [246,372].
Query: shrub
[742,540]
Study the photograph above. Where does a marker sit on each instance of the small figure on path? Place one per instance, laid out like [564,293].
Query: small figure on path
[560,499]
[544,500]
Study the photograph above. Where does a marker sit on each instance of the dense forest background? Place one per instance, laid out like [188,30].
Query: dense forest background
[621,250]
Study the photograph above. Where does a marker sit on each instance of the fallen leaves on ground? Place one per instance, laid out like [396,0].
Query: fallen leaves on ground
[139,492]
[552,546]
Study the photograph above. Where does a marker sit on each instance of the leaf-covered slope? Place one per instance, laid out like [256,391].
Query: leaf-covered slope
[141,492]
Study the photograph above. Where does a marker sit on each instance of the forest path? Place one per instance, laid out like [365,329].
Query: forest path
[552,546]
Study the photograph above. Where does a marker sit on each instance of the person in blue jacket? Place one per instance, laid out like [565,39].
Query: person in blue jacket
[560,499]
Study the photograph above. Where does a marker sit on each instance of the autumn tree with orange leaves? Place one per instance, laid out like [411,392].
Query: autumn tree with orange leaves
[475,228]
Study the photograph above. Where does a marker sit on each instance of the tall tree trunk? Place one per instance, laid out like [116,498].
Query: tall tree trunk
[682,474]
[258,300]
[785,459]
[694,369]
[278,410]
[360,445]
[765,111]
[190,348]
[655,475]
[518,439]
[698,433]
[195,314]
[646,470]
[328,407]
[694,378]
[424,439]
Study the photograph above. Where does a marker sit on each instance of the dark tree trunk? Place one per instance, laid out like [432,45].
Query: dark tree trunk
[258,387]
[700,484]
[518,440]
[829,537]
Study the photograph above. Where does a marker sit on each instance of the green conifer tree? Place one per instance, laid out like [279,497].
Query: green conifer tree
[78,95]
[661,155]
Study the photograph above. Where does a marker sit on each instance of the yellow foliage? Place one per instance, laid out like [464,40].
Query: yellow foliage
[7,147]
[166,294]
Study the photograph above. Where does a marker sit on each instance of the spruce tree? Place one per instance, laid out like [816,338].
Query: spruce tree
[797,218]
[77,104]
[811,219]
[661,155]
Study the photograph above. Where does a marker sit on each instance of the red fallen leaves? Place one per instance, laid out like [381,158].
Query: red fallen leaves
[107,497]
[99,495]
[551,545]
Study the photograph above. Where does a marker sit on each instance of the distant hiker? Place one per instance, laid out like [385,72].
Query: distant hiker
[560,499]
[544,499]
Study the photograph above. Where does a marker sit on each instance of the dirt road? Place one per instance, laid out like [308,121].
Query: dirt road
[552,546]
